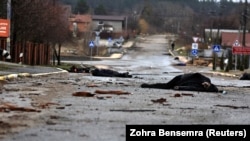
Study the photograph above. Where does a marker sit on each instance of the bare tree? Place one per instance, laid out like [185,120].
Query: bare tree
[40,21]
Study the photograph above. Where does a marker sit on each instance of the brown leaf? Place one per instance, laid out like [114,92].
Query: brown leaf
[161,100]
[177,95]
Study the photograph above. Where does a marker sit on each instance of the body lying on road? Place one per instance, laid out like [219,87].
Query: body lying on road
[109,73]
[188,82]
[99,72]
[76,69]
[245,76]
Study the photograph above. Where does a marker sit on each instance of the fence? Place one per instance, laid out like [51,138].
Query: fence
[28,53]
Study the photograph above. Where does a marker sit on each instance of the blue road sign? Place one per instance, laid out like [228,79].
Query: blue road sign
[109,39]
[194,51]
[91,44]
[216,48]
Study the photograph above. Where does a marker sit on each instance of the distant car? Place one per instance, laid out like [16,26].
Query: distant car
[117,44]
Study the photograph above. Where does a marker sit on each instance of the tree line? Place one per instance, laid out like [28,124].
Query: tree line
[189,16]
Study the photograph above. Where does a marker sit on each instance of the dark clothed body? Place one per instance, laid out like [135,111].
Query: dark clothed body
[189,82]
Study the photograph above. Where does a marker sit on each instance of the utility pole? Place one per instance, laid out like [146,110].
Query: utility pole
[244,58]
[9,18]
[244,19]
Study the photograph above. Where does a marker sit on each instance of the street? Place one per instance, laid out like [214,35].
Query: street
[62,116]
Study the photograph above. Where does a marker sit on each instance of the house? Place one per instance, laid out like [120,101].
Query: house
[212,35]
[110,24]
[229,38]
[80,23]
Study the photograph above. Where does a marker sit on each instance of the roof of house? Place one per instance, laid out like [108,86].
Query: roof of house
[228,39]
[81,18]
[108,17]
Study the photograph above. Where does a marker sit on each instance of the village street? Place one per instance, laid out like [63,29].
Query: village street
[56,114]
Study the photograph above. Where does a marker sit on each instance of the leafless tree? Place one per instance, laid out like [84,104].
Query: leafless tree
[40,21]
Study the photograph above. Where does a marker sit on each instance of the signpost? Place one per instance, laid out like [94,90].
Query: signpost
[109,44]
[236,44]
[91,45]
[216,48]
[195,39]
[194,52]
[97,40]
[195,46]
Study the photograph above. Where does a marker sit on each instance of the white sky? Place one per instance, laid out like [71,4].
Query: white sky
[238,0]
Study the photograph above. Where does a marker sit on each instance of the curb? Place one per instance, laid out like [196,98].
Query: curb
[22,75]
[224,74]
[50,73]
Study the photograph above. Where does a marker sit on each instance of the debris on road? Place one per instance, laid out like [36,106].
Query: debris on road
[117,92]
[130,110]
[161,100]
[183,94]
[234,107]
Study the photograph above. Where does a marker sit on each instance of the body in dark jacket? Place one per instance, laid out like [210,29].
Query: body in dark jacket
[245,76]
[109,73]
[188,82]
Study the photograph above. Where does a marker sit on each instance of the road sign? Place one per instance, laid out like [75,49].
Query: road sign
[216,48]
[195,39]
[194,52]
[236,43]
[194,45]
[91,44]
[109,44]
[97,33]
[240,50]
[4,27]
[109,39]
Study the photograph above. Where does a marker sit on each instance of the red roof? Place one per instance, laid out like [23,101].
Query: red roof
[228,39]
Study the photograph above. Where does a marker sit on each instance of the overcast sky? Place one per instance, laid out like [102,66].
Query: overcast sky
[238,0]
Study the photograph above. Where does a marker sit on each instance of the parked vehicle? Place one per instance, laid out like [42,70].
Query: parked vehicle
[117,44]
